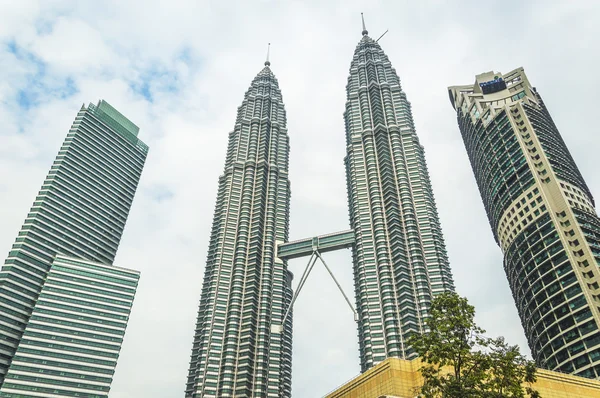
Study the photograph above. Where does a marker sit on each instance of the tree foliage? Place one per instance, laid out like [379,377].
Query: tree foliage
[460,362]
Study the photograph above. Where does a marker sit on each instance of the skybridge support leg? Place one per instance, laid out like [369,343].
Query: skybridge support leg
[339,287]
[311,263]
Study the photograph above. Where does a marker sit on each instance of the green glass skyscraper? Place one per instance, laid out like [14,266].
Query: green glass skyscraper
[400,260]
[79,213]
[73,337]
[246,287]
[542,216]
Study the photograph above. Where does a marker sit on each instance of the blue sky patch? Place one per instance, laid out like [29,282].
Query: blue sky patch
[156,79]
[39,85]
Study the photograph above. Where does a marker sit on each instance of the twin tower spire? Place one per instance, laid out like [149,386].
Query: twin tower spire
[243,337]
[267,62]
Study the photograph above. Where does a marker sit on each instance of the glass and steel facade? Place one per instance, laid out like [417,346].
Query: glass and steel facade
[246,288]
[79,212]
[400,260]
[72,340]
[542,216]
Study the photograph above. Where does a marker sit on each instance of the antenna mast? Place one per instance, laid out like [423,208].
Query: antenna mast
[364,31]
[267,62]
[382,35]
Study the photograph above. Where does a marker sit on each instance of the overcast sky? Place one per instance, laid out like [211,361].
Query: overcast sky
[179,69]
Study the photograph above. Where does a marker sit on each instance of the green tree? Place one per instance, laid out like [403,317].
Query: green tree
[507,370]
[460,362]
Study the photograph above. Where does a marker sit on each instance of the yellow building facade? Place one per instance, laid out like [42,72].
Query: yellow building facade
[398,378]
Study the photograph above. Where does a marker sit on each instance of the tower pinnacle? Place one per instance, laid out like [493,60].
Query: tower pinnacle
[364,31]
[267,62]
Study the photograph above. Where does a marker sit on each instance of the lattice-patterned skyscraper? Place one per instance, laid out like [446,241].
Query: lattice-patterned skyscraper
[246,287]
[400,260]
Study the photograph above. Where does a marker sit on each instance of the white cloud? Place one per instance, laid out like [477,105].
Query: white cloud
[179,69]
[72,46]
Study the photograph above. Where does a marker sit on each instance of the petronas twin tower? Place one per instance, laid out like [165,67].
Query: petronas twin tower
[246,287]
[243,338]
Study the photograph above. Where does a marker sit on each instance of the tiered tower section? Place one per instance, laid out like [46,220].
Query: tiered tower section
[400,260]
[542,216]
[246,287]
[72,341]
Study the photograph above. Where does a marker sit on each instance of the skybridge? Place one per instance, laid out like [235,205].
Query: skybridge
[322,244]
[313,248]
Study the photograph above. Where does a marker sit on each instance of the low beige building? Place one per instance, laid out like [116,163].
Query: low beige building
[398,378]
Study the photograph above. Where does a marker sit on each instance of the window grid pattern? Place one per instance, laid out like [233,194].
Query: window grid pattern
[577,198]
[72,340]
[498,162]
[400,260]
[525,209]
[246,288]
[554,146]
[80,211]
[558,322]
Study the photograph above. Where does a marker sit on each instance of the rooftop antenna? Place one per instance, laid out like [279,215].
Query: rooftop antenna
[382,35]
[365,31]
[267,63]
